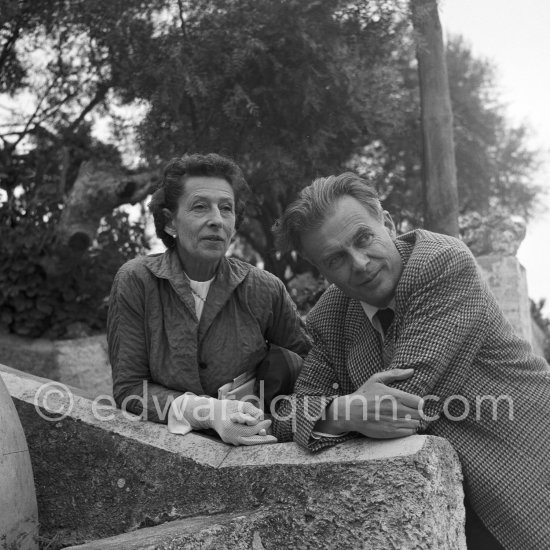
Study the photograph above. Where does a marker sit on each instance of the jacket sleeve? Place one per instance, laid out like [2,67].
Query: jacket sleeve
[286,329]
[443,328]
[133,389]
[316,388]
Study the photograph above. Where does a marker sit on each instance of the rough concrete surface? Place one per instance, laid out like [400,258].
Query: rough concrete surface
[101,478]
[80,362]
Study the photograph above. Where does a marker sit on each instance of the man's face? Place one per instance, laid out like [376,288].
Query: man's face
[354,249]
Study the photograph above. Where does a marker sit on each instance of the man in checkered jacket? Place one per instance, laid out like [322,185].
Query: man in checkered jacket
[411,317]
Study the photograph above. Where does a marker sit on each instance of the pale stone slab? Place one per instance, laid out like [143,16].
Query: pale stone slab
[84,363]
[507,280]
[57,401]
[18,507]
[100,477]
[81,362]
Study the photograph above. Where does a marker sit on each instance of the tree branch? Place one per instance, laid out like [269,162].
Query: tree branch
[99,188]
[99,96]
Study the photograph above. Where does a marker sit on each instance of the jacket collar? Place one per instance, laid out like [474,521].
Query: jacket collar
[229,275]
[405,245]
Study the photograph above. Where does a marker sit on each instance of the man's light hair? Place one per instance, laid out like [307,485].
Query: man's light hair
[316,201]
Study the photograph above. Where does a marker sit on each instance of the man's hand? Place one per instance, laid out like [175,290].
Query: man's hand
[382,412]
[375,409]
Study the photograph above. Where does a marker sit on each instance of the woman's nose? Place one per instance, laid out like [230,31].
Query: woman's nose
[215,218]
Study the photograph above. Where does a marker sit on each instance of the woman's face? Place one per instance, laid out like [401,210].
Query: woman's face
[203,224]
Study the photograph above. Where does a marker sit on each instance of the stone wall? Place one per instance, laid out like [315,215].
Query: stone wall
[507,280]
[101,474]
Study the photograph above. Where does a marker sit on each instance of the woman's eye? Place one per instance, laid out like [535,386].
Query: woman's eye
[199,206]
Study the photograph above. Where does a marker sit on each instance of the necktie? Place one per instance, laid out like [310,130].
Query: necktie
[385,316]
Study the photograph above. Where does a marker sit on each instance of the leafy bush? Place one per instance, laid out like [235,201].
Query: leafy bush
[35,304]
[305,289]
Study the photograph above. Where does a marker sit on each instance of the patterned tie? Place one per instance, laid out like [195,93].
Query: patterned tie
[385,316]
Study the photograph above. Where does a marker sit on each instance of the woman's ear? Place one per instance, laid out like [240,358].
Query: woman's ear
[169,228]
[389,225]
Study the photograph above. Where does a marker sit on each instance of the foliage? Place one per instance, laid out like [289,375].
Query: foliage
[292,89]
[495,165]
[57,54]
[32,303]
[289,89]
[305,289]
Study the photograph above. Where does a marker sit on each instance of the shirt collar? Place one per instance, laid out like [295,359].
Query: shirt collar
[371,311]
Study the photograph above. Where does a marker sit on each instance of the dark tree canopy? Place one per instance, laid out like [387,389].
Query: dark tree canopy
[292,89]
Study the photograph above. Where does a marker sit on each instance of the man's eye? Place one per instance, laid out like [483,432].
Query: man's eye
[364,239]
[226,208]
[335,262]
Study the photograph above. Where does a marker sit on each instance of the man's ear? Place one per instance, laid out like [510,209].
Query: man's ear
[389,225]
[169,227]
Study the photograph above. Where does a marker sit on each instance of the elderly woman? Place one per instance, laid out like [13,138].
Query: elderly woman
[187,322]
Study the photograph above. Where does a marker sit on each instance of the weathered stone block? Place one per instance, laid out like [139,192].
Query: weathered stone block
[507,280]
[18,509]
[97,478]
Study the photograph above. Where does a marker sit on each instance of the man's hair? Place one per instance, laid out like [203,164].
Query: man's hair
[316,201]
[172,186]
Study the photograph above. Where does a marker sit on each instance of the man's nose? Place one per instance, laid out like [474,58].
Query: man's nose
[359,260]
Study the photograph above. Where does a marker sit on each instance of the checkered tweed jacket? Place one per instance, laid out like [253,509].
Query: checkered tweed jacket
[449,328]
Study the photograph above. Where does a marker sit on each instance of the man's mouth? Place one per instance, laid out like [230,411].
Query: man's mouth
[370,278]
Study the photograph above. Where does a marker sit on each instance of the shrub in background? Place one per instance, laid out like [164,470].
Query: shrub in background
[35,304]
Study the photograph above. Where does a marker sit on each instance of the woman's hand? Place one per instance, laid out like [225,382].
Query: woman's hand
[240,423]
[236,422]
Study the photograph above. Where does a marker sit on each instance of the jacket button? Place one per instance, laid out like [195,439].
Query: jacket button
[202,365]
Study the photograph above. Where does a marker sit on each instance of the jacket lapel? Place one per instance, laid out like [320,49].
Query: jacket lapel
[168,266]
[363,345]
[229,276]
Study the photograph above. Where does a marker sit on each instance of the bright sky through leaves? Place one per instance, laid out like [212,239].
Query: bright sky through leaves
[514,36]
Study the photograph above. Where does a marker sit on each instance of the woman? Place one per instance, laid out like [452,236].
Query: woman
[187,322]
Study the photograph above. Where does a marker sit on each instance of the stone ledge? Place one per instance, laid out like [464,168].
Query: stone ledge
[97,479]
[203,450]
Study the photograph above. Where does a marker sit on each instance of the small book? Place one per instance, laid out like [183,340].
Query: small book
[240,388]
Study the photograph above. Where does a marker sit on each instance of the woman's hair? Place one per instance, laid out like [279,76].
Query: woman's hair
[316,201]
[172,186]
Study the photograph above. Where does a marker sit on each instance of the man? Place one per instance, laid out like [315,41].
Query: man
[414,312]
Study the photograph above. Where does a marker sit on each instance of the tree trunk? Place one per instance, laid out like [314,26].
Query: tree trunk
[99,189]
[440,188]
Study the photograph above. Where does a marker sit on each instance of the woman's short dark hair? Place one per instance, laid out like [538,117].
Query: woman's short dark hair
[172,186]
[316,201]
